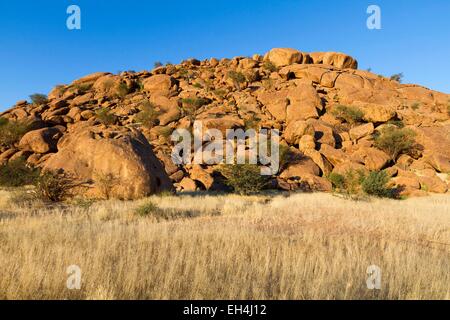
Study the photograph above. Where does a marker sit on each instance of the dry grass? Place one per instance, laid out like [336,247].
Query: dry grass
[310,246]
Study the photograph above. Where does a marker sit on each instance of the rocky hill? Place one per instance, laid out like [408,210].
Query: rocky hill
[115,129]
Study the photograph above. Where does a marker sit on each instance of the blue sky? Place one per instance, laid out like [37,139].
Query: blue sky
[37,51]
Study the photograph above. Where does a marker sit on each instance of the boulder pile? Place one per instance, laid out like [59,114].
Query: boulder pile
[115,128]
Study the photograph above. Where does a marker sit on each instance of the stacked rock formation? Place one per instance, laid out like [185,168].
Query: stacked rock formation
[286,89]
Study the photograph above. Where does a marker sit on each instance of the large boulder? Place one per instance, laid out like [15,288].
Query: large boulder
[160,85]
[42,140]
[337,59]
[281,57]
[118,159]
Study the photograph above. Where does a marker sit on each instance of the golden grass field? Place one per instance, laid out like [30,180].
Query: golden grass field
[305,246]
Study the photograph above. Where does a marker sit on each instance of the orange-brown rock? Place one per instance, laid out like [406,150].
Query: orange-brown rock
[89,154]
[42,140]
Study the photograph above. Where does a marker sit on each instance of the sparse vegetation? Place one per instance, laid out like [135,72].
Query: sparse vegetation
[244,179]
[349,114]
[54,187]
[355,184]
[375,184]
[122,90]
[12,131]
[106,117]
[191,105]
[397,77]
[148,116]
[17,174]
[395,141]
[38,99]
[238,78]
[348,184]
[255,243]
[157,64]
[269,66]
[415,106]
[83,87]
[105,183]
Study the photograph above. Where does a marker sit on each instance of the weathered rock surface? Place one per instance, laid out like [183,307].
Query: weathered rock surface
[115,158]
[295,93]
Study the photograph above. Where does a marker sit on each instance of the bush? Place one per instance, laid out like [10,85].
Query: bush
[375,184]
[106,117]
[348,184]
[244,179]
[269,66]
[395,141]
[83,87]
[38,98]
[237,77]
[356,184]
[191,105]
[12,131]
[123,90]
[351,115]
[157,64]
[17,174]
[53,187]
[148,116]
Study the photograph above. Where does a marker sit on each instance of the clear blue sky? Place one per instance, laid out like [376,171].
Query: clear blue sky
[37,51]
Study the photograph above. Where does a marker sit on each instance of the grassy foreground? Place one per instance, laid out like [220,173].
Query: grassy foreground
[305,246]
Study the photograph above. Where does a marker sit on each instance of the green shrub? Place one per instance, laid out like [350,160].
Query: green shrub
[356,184]
[38,98]
[106,117]
[12,131]
[157,64]
[148,116]
[351,115]
[415,106]
[244,179]
[397,77]
[53,187]
[191,105]
[221,93]
[237,77]
[17,174]
[123,90]
[375,184]
[395,141]
[83,87]
[348,184]
[269,66]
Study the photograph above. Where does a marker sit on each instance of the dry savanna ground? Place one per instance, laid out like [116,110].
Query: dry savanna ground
[302,246]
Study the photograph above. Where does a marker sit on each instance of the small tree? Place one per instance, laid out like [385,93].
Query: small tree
[395,141]
[244,179]
[38,98]
[397,77]
[157,64]
[351,115]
